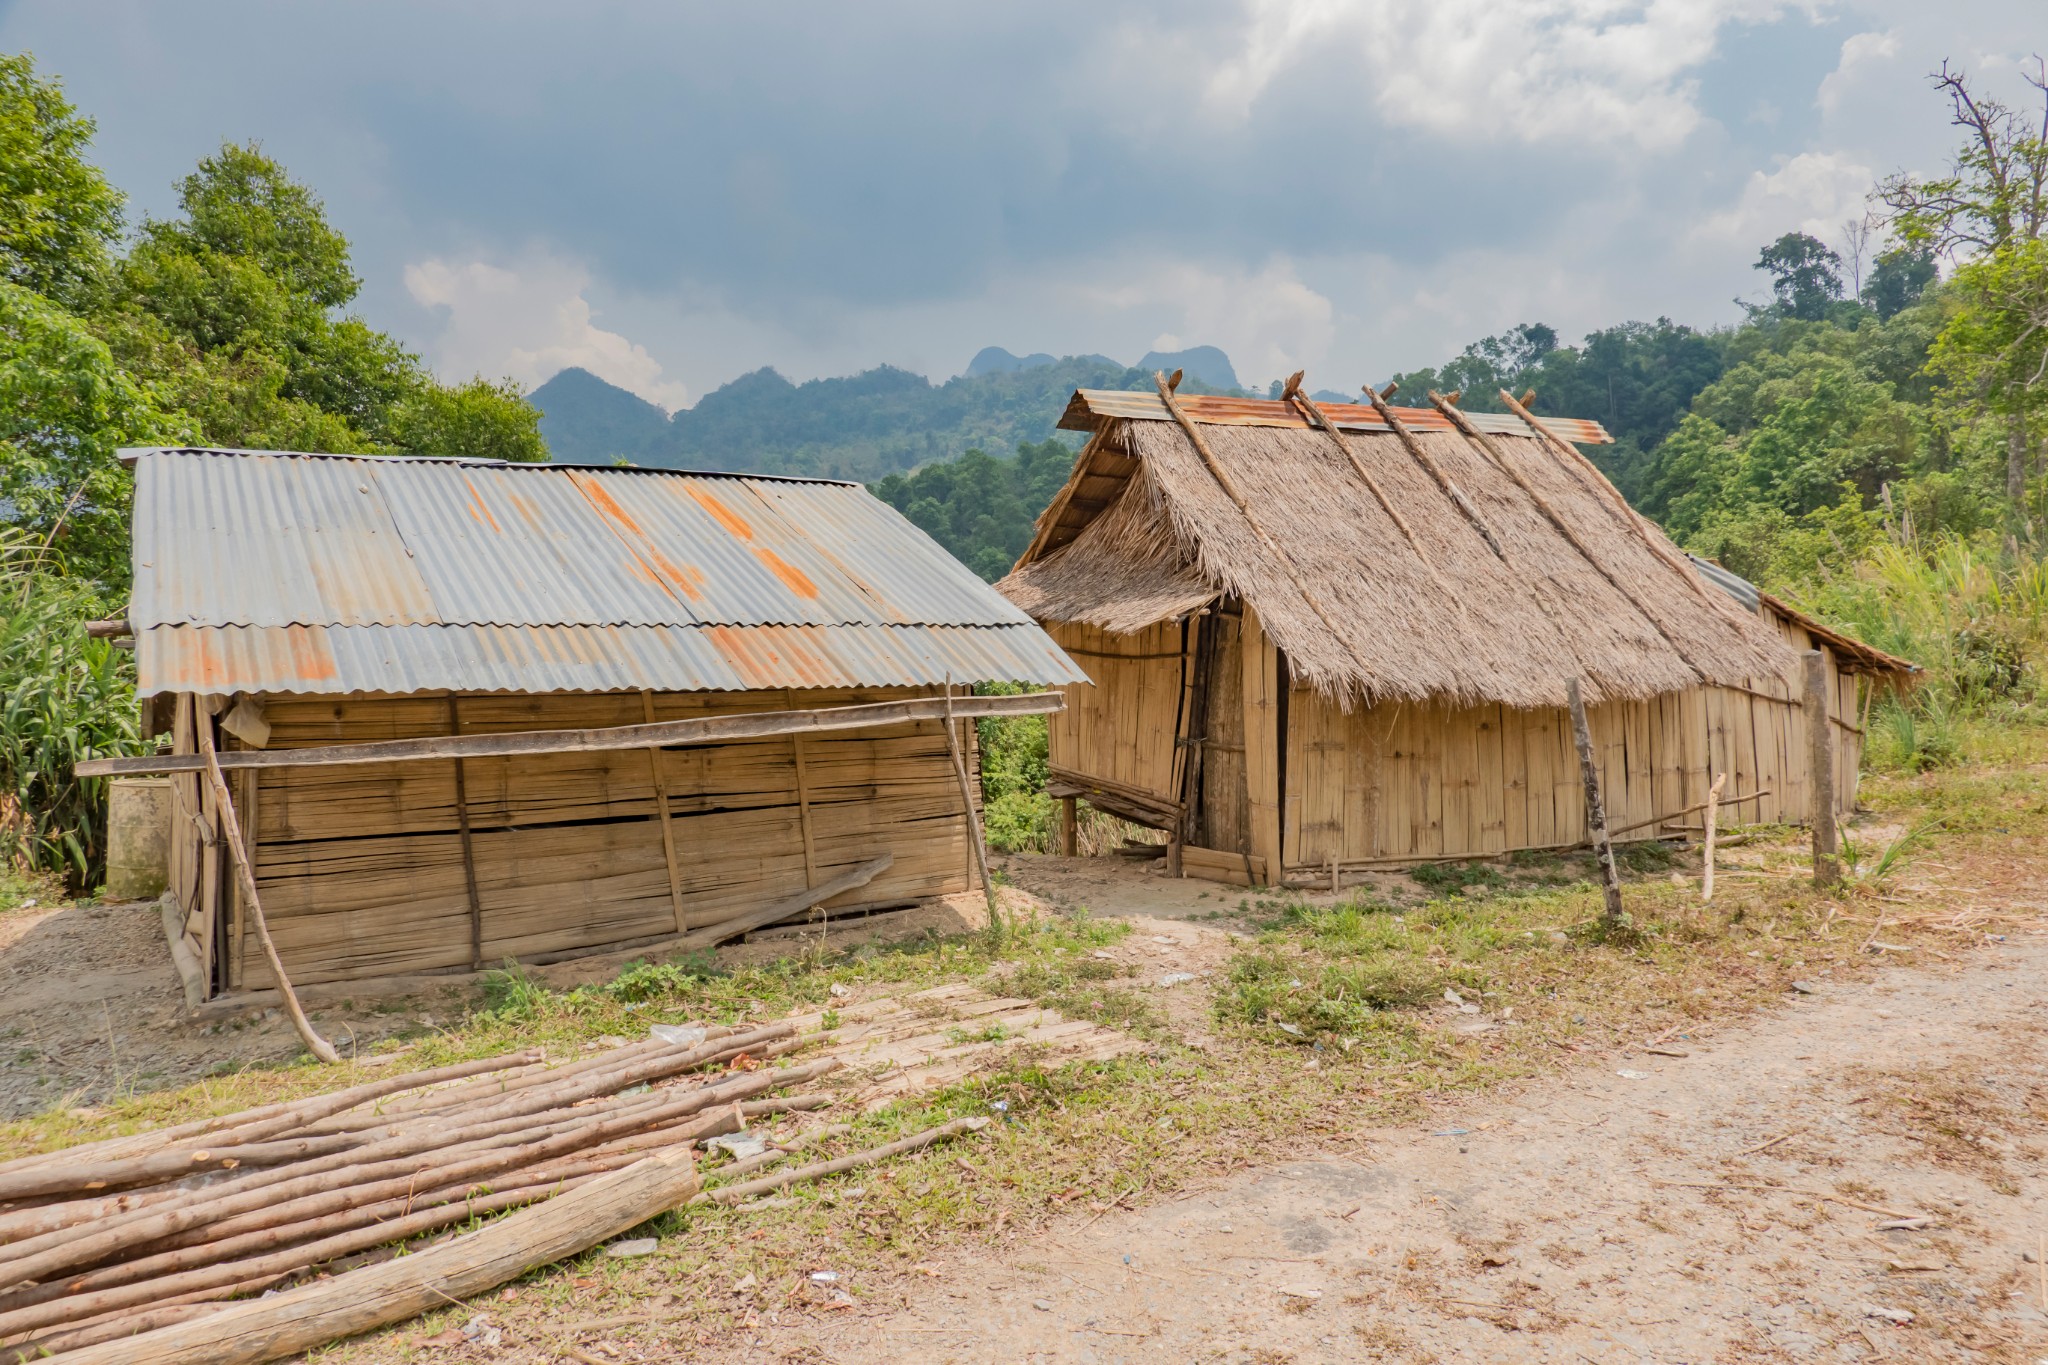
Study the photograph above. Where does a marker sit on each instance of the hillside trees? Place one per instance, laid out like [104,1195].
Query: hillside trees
[1991,209]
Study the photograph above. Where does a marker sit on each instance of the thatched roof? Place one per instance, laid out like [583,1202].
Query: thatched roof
[1144,531]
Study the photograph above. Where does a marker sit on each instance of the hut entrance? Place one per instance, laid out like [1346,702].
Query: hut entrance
[1223,801]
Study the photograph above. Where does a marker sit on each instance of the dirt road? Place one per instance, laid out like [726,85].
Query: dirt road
[1607,1215]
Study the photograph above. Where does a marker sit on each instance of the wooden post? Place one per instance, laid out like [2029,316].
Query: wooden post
[315,1044]
[476,900]
[975,845]
[668,828]
[1070,828]
[1820,763]
[1596,810]
[1713,815]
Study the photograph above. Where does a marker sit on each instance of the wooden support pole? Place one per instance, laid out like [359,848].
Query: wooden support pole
[1820,786]
[1596,809]
[476,900]
[1070,828]
[975,845]
[668,827]
[315,1044]
[803,801]
[1713,813]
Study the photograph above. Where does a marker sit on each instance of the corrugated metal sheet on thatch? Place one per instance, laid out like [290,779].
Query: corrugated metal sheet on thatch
[1364,613]
[292,573]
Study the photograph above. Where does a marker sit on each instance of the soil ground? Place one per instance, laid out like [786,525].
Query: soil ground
[1603,1215]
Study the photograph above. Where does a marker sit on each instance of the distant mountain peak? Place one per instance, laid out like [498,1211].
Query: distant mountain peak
[1206,363]
[996,360]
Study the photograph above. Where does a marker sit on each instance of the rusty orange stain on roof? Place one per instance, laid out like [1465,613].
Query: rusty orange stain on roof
[793,578]
[607,506]
[312,660]
[729,519]
[477,510]
[208,667]
[683,577]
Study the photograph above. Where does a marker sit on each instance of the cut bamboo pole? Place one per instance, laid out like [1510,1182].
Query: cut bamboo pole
[715,934]
[1669,816]
[284,1324]
[697,730]
[1630,518]
[734,1194]
[1712,818]
[1596,809]
[980,850]
[1436,471]
[315,1044]
[748,1165]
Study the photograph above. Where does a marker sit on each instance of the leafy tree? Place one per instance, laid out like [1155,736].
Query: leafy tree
[1993,201]
[1806,276]
[477,420]
[232,309]
[1898,278]
[65,407]
[58,214]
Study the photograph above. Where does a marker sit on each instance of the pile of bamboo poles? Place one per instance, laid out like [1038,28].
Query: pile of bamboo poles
[102,1241]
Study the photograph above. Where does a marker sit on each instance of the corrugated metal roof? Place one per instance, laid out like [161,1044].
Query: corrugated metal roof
[1088,408]
[1734,584]
[270,571]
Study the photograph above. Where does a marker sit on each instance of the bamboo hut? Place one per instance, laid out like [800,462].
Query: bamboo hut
[1322,637]
[467,711]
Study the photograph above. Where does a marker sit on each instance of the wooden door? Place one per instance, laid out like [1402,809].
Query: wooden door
[1224,802]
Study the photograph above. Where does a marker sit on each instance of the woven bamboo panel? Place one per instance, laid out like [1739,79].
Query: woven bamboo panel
[361,868]
[1121,727]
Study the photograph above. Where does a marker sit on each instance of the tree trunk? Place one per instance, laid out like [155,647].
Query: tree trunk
[2016,463]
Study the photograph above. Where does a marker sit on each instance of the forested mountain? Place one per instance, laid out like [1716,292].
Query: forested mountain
[863,426]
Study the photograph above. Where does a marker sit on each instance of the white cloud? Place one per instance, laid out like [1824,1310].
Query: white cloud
[530,322]
[1863,57]
[1599,71]
[1813,192]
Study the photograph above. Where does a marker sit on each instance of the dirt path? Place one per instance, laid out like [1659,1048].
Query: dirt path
[1569,1224]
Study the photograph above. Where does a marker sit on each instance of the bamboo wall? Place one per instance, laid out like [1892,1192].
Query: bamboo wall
[1122,729]
[362,868]
[1408,782]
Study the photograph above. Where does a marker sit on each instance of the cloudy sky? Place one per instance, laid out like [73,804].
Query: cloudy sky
[673,194]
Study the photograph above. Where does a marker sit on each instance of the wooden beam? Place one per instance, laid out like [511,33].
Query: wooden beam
[1436,471]
[975,846]
[803,805]
[702,730]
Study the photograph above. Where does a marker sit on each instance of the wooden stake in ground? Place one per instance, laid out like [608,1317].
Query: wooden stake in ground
[315,1044]
[1596,809]
[1820,776]
[1713,813]
[988,888]
[1070,828]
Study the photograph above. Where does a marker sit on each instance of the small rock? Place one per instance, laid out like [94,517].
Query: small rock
[2031,1257]
[1176,978]
[1628,1075]
[1468,1008]
[1451,997]
[1805,988]
[824,1277]
[1301,1292]
[741,1286]
[1912,1225]
[838,991]
[1042,1305]
[1899,1315]
[635,1246]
